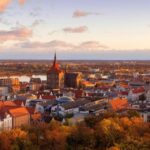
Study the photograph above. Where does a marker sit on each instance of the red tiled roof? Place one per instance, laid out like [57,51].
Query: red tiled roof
[7,108]
[47,96]
[55,68]
[138,90]
[7,103]
[51,97]
[30,110]
[21,111]
[124,85]
[19,102]
[79,93]
[123,93]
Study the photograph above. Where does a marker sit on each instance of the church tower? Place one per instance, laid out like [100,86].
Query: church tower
[55,76]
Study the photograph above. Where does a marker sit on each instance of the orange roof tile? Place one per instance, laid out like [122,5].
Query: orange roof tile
[7,103]
[36,116]
[21,111]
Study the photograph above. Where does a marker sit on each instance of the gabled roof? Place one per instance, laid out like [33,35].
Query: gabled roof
[7,103]
[48,97]
[20,102]
[17,112]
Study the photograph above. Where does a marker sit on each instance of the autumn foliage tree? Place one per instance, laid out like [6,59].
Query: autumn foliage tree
[109,131]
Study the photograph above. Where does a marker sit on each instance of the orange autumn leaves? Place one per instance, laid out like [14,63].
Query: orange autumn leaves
[107,132]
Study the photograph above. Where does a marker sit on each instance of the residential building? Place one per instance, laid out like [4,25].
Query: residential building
[5,121]
[20,117]
[135,93]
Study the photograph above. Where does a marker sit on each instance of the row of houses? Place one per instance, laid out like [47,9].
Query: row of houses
[14,114]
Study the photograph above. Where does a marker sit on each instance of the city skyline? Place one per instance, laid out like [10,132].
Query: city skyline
[81,29]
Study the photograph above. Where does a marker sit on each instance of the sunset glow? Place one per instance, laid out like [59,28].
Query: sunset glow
[80,29]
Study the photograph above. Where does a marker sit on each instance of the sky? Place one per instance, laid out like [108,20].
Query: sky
[75,29]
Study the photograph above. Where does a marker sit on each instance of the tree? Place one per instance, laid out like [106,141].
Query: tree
[132,113]
[5,142]
[108,132]
[81,137]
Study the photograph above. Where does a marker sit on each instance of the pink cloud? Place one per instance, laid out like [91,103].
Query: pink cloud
[15,34]
[55,44]
[80,13]
[37,22]
[80,29]
[62,45]
[92,45]
[4,4]
[21,2]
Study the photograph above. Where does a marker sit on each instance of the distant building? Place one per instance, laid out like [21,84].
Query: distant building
[135,93]
[35,80]
[35,84]
[73,80]
[79,93]
[87,84]
[148,95]
[12,84]
[6,82]
[55,76]
[9,81]
[4,91]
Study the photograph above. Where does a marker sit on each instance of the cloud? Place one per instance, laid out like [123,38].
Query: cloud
[4,21]
[53,32]
[92,45]
[15,34]
[55,44]
[34,14]
[4,4]
[21,2]
[80,29]
[36,22]
[62,45]
[80,13]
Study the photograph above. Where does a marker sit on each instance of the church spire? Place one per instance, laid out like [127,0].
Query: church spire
[54,63]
